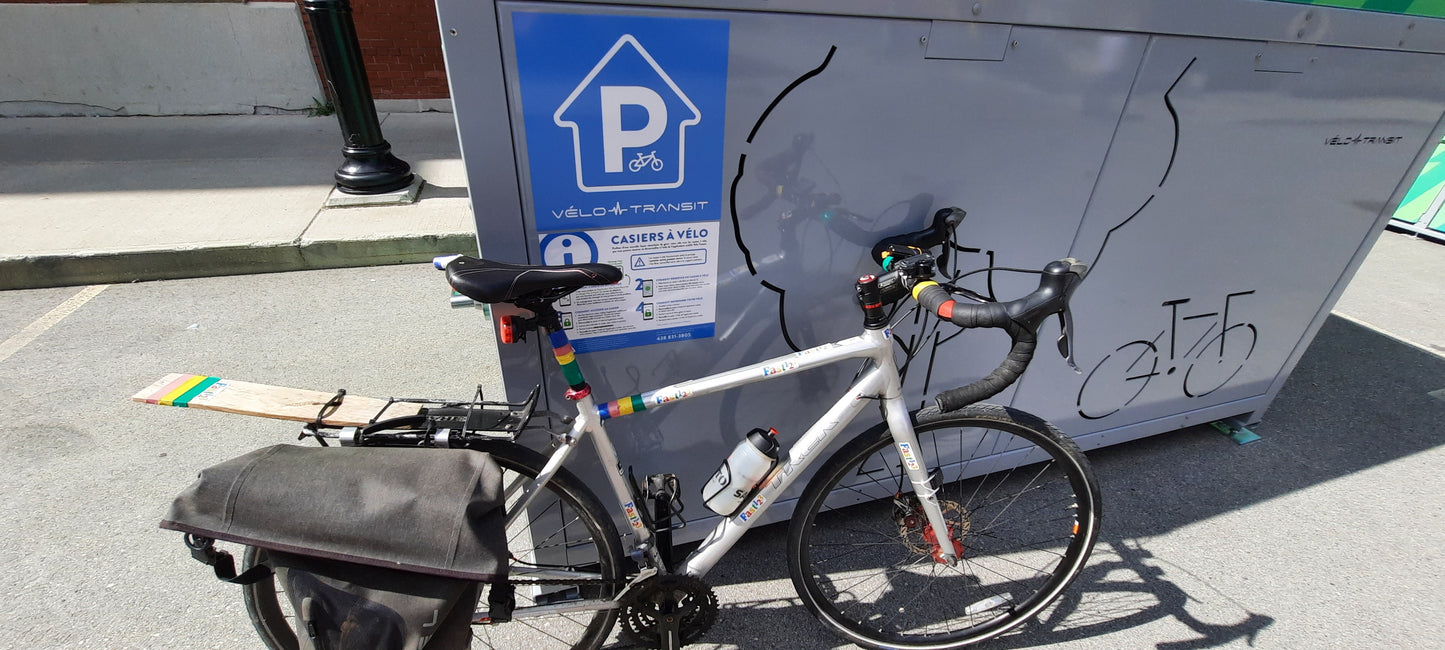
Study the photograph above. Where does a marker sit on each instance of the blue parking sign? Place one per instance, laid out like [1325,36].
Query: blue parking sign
[623,117]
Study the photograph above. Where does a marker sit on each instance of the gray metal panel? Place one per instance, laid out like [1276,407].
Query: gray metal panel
[471,42]
[944,133]
[1257,193]
[950,39]
[1284,57]
[1386,211]
[1259,20]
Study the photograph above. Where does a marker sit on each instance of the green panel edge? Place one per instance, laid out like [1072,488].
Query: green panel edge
[1422,8]
[1424,190]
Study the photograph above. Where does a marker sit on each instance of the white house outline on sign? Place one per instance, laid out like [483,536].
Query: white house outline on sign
[627,39]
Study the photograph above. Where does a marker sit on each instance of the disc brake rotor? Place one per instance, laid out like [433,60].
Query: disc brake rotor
[915,533]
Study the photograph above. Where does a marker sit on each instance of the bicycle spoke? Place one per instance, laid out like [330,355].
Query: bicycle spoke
[1009,522]
[1015,498]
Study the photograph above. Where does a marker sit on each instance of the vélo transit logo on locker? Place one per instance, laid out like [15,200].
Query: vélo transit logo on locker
[640,142]
[623,118]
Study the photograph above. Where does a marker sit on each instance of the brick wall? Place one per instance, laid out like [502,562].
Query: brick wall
[401,47]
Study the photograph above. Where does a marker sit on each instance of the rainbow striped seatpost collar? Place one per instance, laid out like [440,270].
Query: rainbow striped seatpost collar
[577,387]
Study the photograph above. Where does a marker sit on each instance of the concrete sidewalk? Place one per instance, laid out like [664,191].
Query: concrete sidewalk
[119,199]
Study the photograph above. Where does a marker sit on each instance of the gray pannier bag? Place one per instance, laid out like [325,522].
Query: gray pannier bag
[375,547]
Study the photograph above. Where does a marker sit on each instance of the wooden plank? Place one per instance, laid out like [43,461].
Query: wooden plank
[262,400]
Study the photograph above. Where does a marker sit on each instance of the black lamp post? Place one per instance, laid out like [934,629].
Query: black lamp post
[369,167]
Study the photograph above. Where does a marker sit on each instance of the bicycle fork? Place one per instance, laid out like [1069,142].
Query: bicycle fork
[905,440]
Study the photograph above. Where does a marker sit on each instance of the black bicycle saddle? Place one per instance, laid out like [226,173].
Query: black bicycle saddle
[492,282]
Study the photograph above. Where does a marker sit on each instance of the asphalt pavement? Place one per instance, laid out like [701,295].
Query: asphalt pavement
[1327,533]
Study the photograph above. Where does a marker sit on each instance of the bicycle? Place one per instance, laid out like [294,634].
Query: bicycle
[932,529]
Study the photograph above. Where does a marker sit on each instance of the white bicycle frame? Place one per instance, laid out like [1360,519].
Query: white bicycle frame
[878,381]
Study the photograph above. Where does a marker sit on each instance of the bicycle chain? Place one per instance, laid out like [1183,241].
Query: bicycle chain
[578,581]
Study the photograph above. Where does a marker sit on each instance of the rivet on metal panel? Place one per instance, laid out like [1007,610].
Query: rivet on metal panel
[977,8]
[1014,44]
[923,40]
[453,32]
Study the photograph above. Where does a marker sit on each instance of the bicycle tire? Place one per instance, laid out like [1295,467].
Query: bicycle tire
[860,501]
[570,502]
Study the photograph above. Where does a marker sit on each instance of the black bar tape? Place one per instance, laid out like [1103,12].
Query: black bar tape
[1005,374]
[992,314]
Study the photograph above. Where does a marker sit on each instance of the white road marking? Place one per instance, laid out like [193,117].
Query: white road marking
[1419,346]
[35,329]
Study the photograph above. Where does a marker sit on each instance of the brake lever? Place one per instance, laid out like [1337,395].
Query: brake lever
[1066,338]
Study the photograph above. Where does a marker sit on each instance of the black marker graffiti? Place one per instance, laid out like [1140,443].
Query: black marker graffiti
[742,159]
[796,82]
[1173,152]
[1173,114]
[1217,354]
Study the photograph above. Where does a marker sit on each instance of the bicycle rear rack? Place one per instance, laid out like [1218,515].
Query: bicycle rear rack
[439,423]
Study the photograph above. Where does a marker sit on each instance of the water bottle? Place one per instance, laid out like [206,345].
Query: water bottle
[750,461]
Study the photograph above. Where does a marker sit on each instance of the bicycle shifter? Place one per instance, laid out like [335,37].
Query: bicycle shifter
[1066,338]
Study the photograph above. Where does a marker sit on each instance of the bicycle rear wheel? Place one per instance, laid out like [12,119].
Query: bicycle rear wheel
[1022,506]
[567,530]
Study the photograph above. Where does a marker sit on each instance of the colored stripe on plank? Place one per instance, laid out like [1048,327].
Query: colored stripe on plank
[187,385]
[185,400]
[155,397]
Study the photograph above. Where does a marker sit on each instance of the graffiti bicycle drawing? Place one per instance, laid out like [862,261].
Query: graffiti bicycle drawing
[1216,355]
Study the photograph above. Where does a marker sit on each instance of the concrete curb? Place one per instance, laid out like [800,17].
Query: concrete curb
[37,272]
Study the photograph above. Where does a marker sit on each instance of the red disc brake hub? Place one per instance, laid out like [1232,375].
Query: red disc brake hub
[932,539]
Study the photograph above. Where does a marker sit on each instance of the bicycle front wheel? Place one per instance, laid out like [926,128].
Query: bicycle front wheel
[1022,508]
[565,551]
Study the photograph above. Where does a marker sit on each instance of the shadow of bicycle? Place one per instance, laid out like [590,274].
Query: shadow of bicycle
[1126,586]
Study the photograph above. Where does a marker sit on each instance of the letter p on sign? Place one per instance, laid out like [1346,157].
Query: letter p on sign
[614,137]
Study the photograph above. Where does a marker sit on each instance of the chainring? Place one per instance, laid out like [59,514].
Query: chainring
[647,604]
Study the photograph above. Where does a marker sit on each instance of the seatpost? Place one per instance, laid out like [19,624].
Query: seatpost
[547,317]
